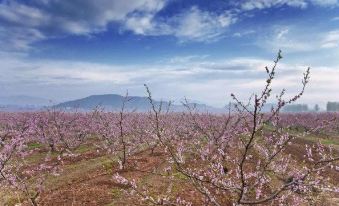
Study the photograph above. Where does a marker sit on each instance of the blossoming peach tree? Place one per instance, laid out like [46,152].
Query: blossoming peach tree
[242,158]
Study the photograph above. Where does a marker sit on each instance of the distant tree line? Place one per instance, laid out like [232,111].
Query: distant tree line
[332,107]
[296,108]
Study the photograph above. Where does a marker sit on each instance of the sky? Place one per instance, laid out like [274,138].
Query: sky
[203,50]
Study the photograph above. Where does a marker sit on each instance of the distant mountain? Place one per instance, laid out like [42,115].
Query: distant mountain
[106,101]
[113,102]
[23,101]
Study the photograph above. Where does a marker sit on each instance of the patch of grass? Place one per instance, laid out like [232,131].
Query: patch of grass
[9,198]
[108,165]
[34,145]
[35,158]
[177,188]
[330,142]
[325,141]
[179,176]
[72,172]
[83,148]
[39,157]
[116,192]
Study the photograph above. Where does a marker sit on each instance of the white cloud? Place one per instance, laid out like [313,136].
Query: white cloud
[292,39]
[54,18]
[190,25]
[57,18]
[264,4]
[202,26]
[18,38]
[186,59]
[21,14]
[140,25]
[325,2]
[195,77]
[302,4]
[244,33]
[330,39]
[288,39]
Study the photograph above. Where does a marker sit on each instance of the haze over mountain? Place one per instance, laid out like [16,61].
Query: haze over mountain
[108,102]
[23,100]
[23,103]
[113,102]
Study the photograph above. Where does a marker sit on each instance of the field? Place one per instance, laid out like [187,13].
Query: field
[241,157]
[100,158]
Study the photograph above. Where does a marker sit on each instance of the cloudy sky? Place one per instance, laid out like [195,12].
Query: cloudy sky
[204,50]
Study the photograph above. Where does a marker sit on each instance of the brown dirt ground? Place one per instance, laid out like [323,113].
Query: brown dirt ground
[86,184]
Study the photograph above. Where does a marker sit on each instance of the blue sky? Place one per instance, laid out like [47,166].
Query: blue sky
[200,49]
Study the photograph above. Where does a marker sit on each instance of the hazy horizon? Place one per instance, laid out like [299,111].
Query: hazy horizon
[202,50]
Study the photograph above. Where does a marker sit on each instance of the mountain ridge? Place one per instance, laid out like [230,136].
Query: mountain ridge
[113,102]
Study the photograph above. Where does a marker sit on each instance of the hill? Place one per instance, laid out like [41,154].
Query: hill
[113,102]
